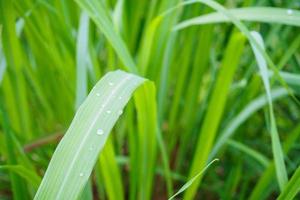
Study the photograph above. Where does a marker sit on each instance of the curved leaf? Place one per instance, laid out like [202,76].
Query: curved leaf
[257,14]
[75,156]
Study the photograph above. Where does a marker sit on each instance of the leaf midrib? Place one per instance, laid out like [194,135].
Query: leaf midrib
[126,78]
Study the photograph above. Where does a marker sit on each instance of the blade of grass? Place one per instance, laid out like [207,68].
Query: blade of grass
[249,110]
[15,87]
[292,187]
[2,58]
[99,14]
[276,146]
[18,186]
[267,177]
[257,14]
[215,109]
[81,59]
[110,172]
[146,46]
[281,171]
[218,7]
[31,177]
[76,154]
[145,101]
[191,181]
[264,161]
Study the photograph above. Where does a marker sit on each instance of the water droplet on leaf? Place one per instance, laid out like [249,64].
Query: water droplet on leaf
[100,132]
[289,11]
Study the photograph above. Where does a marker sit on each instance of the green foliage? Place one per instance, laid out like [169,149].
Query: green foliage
[208,79]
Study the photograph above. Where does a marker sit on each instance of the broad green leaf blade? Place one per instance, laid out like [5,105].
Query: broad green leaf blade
[292,187]
[97,11]
[276,146]
[75,156]
[257,14]
[30,176]
[190,182]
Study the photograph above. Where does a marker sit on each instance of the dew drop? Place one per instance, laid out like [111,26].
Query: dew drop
[289,11]
[97,94]
[100,132]
[111,83]
[120,97]
[108,111]
[81,174]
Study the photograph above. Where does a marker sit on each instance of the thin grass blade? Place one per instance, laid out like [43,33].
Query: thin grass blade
[31,177]
[257,14]
[190,182]
[99,14]
[276,146]
[292,187]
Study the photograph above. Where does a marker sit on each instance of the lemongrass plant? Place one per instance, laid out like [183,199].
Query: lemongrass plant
[124,99]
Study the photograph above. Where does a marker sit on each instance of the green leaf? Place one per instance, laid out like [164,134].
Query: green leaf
[218,7]
[191,181]
[257,14]
[264,161]
[76,154]
[215,109]
[30,176]
[97,11]
[292,187]
[276,146]
[242,116]
[81,59]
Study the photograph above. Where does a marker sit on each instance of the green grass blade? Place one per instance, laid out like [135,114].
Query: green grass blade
[215,109]
[15,61]
[242,116]
[264,161]
[30,176]
[2,58]
[17,184]
[257,14]
[276,146]
[145,102]
[147,43]
[267,177]
[75,156]
[81,59]
[99,14]
[191,181]
[292,187]
[218,7]
[110,172]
